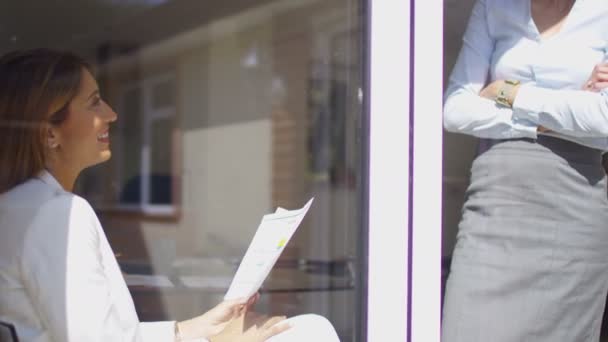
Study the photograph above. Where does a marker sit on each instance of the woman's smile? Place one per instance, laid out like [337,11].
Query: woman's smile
[104,137]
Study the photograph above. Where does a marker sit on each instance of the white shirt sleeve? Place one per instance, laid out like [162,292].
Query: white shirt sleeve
[575,113]
[157,331]
[64,275]
[464,110]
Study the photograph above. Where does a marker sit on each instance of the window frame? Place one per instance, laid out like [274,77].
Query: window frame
[403,99]
[149,115]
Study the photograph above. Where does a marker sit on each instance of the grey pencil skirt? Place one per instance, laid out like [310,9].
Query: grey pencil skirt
[531,257]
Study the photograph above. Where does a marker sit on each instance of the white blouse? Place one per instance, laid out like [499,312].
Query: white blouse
[502,42]
[59,279]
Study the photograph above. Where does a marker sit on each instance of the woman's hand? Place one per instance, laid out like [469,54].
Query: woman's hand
[491,90]
[598,79]
[215,320]
[251,327]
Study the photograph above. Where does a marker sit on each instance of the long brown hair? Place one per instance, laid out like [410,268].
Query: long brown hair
[36,88]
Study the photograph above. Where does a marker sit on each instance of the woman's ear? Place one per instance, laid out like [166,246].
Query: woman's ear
[52,138]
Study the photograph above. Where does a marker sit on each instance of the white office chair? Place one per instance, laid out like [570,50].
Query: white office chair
[7,332]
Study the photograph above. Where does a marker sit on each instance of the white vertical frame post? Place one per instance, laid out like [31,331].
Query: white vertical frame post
[427,171]
[389,105]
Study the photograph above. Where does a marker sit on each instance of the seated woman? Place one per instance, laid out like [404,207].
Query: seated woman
[59,279]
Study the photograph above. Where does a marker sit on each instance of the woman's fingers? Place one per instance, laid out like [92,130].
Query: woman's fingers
[273,326]
[272,321]
[597,86]
[251,302]
[599,74]
[491,90]
[239,306]
[600,68]
[233,303]
[232,307]
[237,303]
[601,77]
[598,79]
[275,330]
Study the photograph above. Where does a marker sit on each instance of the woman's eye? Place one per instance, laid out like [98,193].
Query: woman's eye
[97,101]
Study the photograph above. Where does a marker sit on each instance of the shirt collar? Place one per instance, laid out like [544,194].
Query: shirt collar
[46,177]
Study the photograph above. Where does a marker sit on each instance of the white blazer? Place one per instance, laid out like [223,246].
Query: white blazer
[59,279]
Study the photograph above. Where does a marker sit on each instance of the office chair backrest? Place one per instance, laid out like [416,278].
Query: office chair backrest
[7,332]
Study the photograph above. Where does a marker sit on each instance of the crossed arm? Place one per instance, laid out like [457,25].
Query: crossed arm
[470,107]
[563,110]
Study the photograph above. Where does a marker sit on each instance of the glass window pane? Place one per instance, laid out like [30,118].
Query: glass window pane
[163,95]
[160,173]
[226,111]
[129,152]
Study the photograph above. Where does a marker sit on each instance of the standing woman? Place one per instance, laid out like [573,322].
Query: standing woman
[59,279]
[531,257]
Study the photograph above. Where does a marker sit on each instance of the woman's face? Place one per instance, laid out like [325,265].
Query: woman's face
[83,138]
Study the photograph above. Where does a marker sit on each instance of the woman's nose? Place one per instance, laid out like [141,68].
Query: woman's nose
[110,113]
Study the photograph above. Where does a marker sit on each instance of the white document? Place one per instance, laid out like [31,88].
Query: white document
[270,239]
[204,282]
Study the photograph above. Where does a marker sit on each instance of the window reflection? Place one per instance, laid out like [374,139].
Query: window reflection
[225,112]
[145,144]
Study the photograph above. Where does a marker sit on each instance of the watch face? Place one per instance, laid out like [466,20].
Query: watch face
[501,99]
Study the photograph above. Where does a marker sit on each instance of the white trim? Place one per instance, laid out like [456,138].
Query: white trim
[427,177]
[151,209]
[158,209]
[388,171]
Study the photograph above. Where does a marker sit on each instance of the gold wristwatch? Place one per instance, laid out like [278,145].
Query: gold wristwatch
[504,93]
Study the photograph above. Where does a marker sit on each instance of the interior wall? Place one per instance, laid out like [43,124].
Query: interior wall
[458,149]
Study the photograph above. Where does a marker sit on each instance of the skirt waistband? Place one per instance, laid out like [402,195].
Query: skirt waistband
[564,148]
